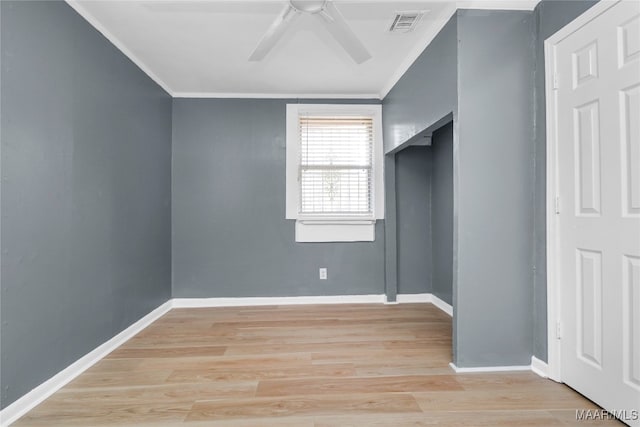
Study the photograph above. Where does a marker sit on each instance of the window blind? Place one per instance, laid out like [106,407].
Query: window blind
[336,164]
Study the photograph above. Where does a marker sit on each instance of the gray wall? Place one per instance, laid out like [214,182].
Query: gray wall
[86,186]
[550,16]
[413,204]
[425,93]
[499,172]
[424,212]
[442,212]
[230,235]
[494,188]
[489,94]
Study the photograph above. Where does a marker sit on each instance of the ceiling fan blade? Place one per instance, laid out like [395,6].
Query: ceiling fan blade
[340,30]
[274,33]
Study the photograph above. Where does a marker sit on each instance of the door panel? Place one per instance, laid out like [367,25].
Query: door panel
[631,336]
[587,158]
[630,106]
[628,41]
[585,64]
[589,325]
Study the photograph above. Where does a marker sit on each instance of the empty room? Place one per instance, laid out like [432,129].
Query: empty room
[319,213]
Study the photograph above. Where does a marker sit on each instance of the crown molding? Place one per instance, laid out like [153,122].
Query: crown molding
[439,23]
[243,95]
[498,4]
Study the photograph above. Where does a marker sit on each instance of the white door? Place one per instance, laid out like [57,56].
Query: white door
[598,172]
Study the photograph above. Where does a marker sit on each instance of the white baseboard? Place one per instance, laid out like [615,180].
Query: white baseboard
[426,298]
[27,402]
[539,367]
[447,308]
[490,369]
[310,300]
[256,301]
[414,298]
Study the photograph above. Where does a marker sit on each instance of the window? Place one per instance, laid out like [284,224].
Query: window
[334,171]
[336,165]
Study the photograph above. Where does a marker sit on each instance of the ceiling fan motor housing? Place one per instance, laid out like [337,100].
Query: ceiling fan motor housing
[308,6]
[326,12]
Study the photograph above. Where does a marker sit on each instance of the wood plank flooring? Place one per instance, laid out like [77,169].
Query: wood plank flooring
[316,366]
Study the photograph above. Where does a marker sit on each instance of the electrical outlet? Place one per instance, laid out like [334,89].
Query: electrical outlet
[323,273]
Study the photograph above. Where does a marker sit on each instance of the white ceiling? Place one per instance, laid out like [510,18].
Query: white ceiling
[201,48]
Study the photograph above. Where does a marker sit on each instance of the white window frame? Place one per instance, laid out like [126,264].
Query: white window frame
[325,228]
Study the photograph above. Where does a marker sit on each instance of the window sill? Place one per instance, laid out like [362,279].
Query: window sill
[335,230]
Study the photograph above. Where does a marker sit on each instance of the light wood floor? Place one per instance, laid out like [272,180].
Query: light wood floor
[315,366]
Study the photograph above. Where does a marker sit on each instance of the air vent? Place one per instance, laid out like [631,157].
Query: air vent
[406,21]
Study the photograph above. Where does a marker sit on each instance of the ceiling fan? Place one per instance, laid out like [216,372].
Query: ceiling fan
[323,10]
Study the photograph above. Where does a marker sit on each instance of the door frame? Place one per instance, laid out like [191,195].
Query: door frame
[554,294]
